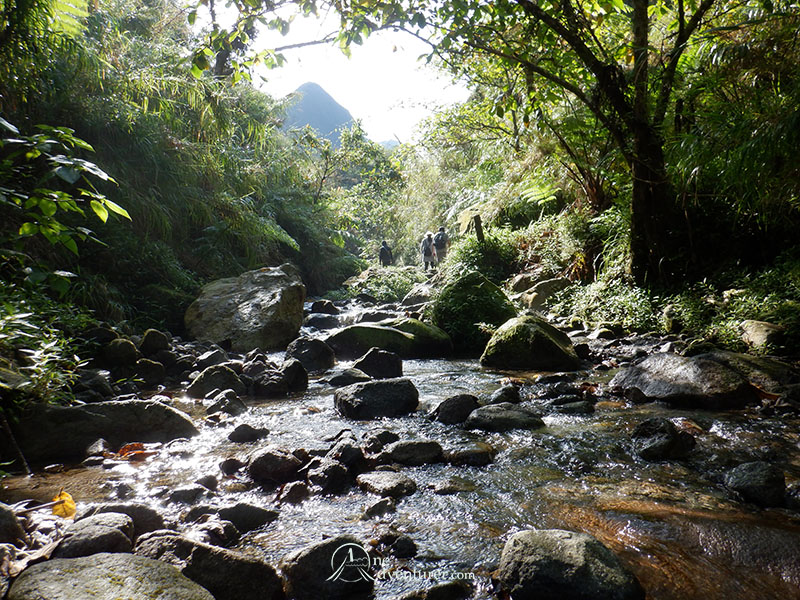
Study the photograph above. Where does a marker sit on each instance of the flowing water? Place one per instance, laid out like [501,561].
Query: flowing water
[672,523]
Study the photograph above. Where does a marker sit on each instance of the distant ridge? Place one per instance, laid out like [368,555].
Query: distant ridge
[317,108]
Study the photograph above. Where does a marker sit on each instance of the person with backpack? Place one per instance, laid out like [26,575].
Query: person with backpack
[385,255]
[441,243]
[428,251]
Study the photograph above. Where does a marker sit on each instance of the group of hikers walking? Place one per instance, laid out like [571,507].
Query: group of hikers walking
[433,249]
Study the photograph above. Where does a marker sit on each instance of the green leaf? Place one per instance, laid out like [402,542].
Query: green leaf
[5,124]
[192,17]
[29,229]
[99,210]
[67,174]
[48,207]
[71,245]
[116,208]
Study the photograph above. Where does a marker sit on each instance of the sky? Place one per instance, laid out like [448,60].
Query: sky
[383,83]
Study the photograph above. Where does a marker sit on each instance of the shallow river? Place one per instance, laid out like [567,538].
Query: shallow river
[679,530]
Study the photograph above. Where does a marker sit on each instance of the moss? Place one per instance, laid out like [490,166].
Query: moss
[428,338]
[530,343]
[464,305]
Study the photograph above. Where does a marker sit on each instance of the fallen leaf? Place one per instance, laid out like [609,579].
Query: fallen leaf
[130,448]
[66,505]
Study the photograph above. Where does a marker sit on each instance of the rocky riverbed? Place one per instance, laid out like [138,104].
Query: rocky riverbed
[692,496]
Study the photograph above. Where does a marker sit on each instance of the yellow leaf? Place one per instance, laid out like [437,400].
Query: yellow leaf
[66,505]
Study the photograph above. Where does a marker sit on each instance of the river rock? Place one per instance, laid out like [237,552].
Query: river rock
[258,309]
[349,453]
[11,531]
[455,409]
[697,382]
[315,355]
[330,476]
[658,439]
[151,372]
[210,358]
[419,293]
[506,393]
[380,364]
[145,519]
[153,341]
[105,576]
[245,517]
[377,399]
[761,334]
[530,342]
[120,352]
[103,532]
[275,466]
[413,452]
[325,307]
[355,340]
[228,402]
[387,483]
[466,301]
[503,417]
[319,321]
[767,373]
[324,570]
[553,564]
[93,385]
[247,433]
[758,482]
[429,341]
[216,377]
[214,531]
[295,375]
[348,377]
[471,454]
[48,433]
[187,494]
[226,574]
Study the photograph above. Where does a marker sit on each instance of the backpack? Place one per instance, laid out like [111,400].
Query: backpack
[440,239]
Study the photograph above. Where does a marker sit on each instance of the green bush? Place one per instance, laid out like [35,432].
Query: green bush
[387,284]
[467,308]
[495,258]
[609,302]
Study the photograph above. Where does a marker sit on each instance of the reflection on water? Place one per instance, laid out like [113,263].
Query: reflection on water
[673,523]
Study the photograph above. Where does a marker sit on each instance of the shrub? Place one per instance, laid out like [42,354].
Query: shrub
[496,258]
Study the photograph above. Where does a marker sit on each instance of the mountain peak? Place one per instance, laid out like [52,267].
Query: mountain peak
[315,107]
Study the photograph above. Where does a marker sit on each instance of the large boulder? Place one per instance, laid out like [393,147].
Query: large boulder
[258,309]
[529,342]
[105,576]
[464,303]
[697,382]
[758,482]
[535,297]
[429,341]
[48,433]
[553,564]
[377,399]
[767,373]
[335,569]
[503,417]
[409,338]
[226,574]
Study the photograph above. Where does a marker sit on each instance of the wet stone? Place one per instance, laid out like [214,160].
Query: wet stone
[503,417]
[295,492]
[247,433]
[413,452]
[455,409]
[474,454]
[386,483]
[104,532]
[380,364]
[658,439]
[758,482]
[507,393]
[380,507]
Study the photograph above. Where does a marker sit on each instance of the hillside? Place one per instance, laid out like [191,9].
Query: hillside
[317,108]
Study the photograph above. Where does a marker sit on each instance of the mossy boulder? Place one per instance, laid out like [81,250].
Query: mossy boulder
[408,338]
[529,342]
[463,304]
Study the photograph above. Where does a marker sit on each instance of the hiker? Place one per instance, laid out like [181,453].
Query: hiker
[385,255]
[428,251]
[442,244]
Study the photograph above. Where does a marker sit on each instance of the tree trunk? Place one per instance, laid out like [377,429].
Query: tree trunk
[654,239]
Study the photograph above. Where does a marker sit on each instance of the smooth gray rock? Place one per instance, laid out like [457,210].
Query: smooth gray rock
[503,417]
[48,433]
[380,364]
[377,399]
[471,454]
[247,433]
[758,482]
[696,382]
[455,409]
[103,532]
[145,519]
[226,574]
[552,564]
[105,577]
[216,377]
[258,309]
[414,452]
[323,571]
[387,483]
[330,476]
[245,517]
[348,377]
[315,355]
[153,341]
[274,466]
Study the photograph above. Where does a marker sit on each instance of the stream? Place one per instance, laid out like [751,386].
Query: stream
[673,523]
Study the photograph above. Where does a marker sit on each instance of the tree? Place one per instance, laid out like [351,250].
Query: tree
[621,60]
